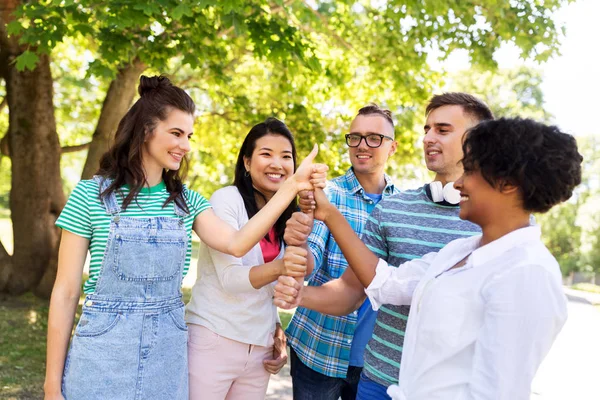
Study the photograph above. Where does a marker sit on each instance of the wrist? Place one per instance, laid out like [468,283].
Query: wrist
[328,211]
[279,268]
[52,388]
[292,184]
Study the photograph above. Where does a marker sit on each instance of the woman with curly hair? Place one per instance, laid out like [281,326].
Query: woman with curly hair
[485,310]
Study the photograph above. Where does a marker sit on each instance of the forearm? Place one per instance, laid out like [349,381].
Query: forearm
[333,298]
[63,306]
[261,275]
[257,227]
[360,259]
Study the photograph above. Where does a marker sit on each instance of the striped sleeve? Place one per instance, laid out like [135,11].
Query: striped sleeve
[373,235]
[197,202]
[75,217]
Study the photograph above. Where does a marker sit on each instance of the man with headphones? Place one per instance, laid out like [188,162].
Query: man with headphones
[402,227]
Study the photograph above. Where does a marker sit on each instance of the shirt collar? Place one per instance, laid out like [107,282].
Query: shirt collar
[352,184]
[499,246]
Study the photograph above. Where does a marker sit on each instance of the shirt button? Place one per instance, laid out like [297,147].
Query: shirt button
[349,341]
[89,303]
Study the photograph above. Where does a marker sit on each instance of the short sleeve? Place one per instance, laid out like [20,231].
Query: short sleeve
[196,202]
[374,236]
[75,217]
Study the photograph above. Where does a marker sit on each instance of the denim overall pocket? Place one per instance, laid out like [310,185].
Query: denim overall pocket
[94,324]
[161,257]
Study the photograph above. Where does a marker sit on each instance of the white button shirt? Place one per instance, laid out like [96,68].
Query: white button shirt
[479,331]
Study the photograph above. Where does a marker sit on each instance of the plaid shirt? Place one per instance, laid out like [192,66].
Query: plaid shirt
[322,341]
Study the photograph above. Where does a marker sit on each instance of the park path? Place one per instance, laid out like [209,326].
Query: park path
[571,371]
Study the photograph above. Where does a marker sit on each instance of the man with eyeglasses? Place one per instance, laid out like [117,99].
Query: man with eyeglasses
[401,228]
[327,351]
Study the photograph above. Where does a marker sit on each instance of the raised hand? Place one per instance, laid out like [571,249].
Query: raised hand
[297,228]
[321,207]
[306,170]
[288,292]
[294,261]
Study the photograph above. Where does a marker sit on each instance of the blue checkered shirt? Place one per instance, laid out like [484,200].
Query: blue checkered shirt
[321,341]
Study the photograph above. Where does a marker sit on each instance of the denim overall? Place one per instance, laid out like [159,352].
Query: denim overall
[131,340]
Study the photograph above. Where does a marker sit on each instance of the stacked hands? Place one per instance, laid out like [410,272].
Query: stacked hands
[314,205]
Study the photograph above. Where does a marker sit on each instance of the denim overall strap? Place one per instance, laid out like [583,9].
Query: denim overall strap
[178,210]
[110,202]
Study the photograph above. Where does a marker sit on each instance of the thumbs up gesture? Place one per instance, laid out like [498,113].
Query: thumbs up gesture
[310,175]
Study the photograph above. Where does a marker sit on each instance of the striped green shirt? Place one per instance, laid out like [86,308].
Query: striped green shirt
[85,215]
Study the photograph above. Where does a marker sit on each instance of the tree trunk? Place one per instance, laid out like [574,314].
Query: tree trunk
[36,195]
[118,100]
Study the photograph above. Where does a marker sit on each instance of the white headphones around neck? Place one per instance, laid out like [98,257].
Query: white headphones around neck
[446,193]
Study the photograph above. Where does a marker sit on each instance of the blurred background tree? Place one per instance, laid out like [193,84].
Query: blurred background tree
[69,70]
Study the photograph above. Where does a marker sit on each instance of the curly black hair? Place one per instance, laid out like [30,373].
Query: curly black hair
[540,160]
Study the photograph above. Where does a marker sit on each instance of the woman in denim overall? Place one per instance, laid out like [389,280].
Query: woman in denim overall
[135,316]
[131,340]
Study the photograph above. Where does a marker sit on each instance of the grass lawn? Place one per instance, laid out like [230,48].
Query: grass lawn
[587,287]
[23,325]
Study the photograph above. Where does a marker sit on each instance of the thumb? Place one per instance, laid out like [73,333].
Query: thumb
[310,157]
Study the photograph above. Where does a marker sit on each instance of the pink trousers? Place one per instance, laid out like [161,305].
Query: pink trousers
[222,368]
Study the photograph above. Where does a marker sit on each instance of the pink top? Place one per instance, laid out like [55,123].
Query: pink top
[270,250]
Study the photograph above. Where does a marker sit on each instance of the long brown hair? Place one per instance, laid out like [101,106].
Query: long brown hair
[123,162]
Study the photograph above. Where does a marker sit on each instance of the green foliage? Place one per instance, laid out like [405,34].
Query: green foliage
[562,235]
[589,147]
[508,92]
[312,64]
[592,256]
[571,231]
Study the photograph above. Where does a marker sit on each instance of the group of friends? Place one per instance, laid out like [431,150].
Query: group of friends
[441,292]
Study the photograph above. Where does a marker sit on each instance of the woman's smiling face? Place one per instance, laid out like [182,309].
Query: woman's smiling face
[271,163]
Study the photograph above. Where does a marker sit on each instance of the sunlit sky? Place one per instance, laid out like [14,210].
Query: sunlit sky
[571,83]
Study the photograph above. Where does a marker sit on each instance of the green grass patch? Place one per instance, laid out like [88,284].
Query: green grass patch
[285,317]
[587,287]
[24,324]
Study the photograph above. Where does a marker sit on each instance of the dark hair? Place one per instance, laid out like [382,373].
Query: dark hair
[123,161]
[243,181]
[471,105]
[374,109]
[540,160]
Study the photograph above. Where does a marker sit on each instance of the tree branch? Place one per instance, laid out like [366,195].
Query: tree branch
[326,26]
[274,8]
[75,148]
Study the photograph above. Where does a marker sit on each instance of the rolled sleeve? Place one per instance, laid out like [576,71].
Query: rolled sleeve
[396,286]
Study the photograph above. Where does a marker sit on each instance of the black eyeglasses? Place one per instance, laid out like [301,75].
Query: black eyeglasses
[372,140]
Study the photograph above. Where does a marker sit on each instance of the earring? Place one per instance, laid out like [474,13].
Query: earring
[247,173]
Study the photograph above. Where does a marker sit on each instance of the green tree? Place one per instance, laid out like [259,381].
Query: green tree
[562,235]
[307,56]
